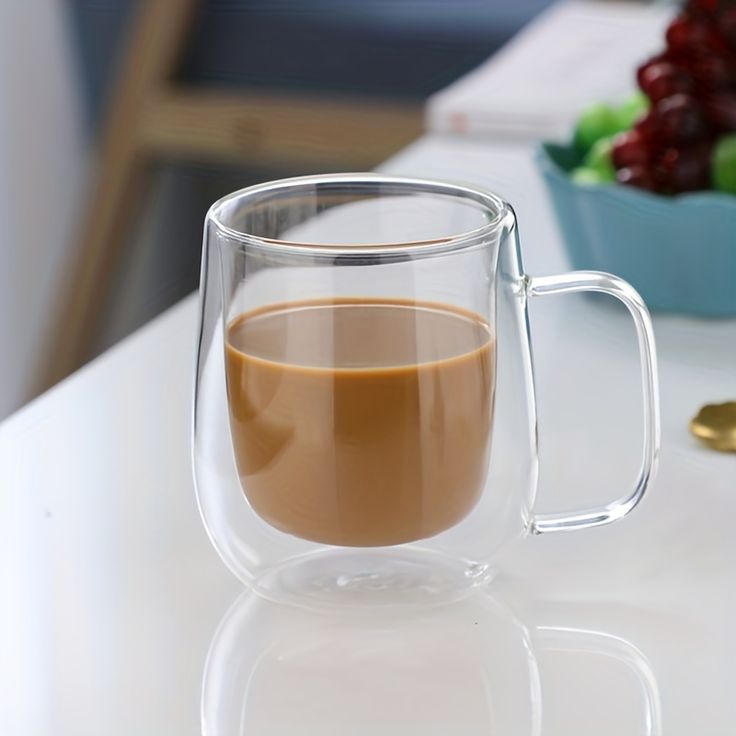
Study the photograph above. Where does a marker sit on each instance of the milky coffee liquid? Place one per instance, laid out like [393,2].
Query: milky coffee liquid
[361,422]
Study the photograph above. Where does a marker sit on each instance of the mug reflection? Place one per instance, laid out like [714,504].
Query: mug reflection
[587,673]
[467,667]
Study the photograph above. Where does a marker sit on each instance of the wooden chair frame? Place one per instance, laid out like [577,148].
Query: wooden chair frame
[149,117]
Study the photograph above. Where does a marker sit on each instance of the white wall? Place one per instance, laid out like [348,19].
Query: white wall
[42,169]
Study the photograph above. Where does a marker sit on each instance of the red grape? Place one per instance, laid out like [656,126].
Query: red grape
[713,72]
[637,176]
[648,128]
[686,33]
[664,79]
[680,119]
[629,149]
[704,7]
[721,110]
[727,25]
[649,62]
[684,169]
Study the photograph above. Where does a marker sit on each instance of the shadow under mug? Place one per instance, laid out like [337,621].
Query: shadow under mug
[364,408]
[465,668]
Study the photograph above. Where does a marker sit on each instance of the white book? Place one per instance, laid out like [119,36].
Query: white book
[574,54]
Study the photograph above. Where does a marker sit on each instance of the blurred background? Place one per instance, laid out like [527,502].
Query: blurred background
[122,120]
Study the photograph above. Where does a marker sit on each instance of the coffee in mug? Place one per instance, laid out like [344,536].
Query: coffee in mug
[361,422]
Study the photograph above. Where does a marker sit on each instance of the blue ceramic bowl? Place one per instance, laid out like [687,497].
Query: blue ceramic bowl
[678,252]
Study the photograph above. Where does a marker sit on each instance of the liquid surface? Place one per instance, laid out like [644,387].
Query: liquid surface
[360,423]
[351,334]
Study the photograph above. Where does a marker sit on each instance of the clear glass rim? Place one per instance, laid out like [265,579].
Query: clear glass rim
[496,207]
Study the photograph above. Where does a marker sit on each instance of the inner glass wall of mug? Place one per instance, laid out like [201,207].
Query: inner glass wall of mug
[360,386]
[329,461]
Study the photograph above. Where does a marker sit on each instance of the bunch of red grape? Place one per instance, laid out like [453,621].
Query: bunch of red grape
[692,90]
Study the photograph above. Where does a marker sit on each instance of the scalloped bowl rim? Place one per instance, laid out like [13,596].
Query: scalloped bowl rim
[717,200]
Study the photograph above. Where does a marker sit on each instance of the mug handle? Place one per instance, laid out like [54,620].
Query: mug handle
[608,284]
[588,641]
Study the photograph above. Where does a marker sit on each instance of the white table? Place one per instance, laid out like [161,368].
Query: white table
[111,592]
[576,53]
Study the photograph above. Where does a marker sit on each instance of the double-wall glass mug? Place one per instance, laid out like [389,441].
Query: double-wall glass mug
[364,410]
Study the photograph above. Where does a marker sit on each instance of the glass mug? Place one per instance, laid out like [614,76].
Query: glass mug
[364,411]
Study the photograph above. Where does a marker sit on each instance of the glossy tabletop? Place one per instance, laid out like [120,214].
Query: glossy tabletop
[112,595]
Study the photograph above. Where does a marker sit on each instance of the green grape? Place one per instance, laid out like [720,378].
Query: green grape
[586,175]
[598,121]
[632,109]
[599,159]
[724,164]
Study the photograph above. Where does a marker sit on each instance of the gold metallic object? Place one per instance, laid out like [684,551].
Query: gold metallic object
[715,425]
